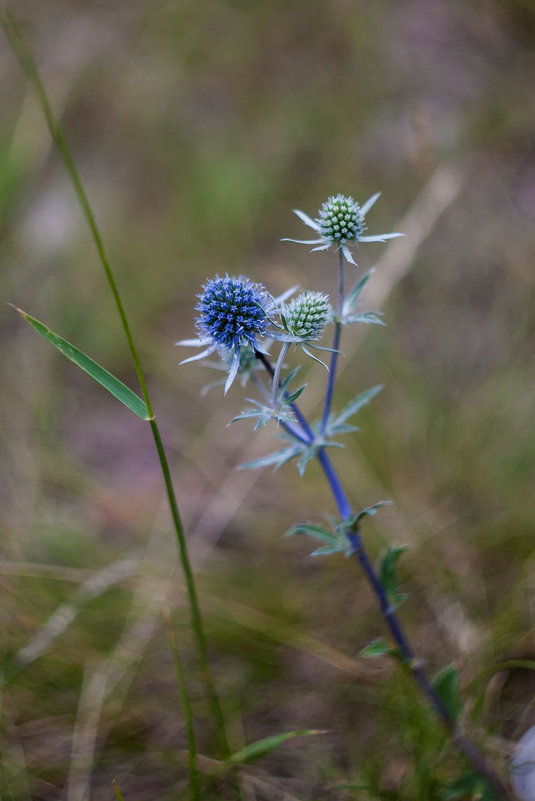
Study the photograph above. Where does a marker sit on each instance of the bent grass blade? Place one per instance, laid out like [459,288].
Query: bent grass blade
[94,370]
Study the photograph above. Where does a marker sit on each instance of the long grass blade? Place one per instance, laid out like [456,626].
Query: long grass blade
[94,370]
[25,58]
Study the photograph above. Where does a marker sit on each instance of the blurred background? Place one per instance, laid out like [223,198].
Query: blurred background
[196,128]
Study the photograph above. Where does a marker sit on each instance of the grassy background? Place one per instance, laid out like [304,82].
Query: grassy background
[196,128]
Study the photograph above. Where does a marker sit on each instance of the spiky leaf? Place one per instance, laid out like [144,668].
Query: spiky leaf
[352,408]
[276,459]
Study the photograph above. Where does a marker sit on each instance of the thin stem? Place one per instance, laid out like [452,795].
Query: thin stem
[472,754]
[336,344]
[309,434]
[277,375]
[195,789]
[27,62]
[196,620]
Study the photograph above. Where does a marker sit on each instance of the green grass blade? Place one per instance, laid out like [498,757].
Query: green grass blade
[94,370]
[118,794]
[261,748]
[194,786]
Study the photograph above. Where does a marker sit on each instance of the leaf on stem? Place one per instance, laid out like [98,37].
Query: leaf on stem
[388,574]
[334,542]
[378,647]
[277,459]
[352,523]
[338,422]
[94,370]
[446,685]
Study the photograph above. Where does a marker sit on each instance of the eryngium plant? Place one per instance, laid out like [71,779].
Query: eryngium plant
[243,323]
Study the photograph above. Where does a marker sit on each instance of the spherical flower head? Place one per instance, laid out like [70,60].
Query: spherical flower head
[306,316]
[233,312]
[341,220]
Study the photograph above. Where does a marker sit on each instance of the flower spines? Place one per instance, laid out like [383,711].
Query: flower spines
[306,316]
[232,312]
[341,219]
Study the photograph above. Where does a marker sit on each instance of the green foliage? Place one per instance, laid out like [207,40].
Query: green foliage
[117,792]
[388,574]
[260,748]
[351,303]
[468,788]
[446,685]
[94,370]
[378,647]
[337,423]
[335,541]
[280,412]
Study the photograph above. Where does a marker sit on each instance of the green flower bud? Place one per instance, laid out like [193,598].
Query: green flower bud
[306,316]
[341,220]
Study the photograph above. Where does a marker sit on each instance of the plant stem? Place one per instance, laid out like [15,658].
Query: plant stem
[277,375]
[27,62]
[472,754]
[194,785]
[309,434]
[336,344]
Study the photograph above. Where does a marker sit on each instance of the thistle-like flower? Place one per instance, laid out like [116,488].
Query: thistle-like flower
[341,220]
[233,312]
[305,317]
[303,320]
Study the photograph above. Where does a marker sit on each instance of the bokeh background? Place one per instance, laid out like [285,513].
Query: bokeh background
[197,127]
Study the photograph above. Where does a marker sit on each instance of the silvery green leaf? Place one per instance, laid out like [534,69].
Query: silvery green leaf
[356,292]
[233,372]
[265,414]
[289,378]
[353,521]
[214,385]
[363,317]
[354,406]
[313,530]
[280,299]
[342,428]
[364,209]
[306,219]
[348,255]
[303,241]
[378,647]
[379,237]
[306,457]
[296,394]
[327,550]
[315,358]
[278,459]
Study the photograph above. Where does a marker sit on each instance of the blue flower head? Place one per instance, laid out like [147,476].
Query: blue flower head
[341,220]
[233,312]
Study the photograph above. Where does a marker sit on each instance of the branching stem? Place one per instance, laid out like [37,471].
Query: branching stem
[336,344]
[478,761]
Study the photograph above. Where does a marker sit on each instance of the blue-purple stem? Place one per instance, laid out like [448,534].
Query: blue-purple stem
[336,345]
[472,754]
